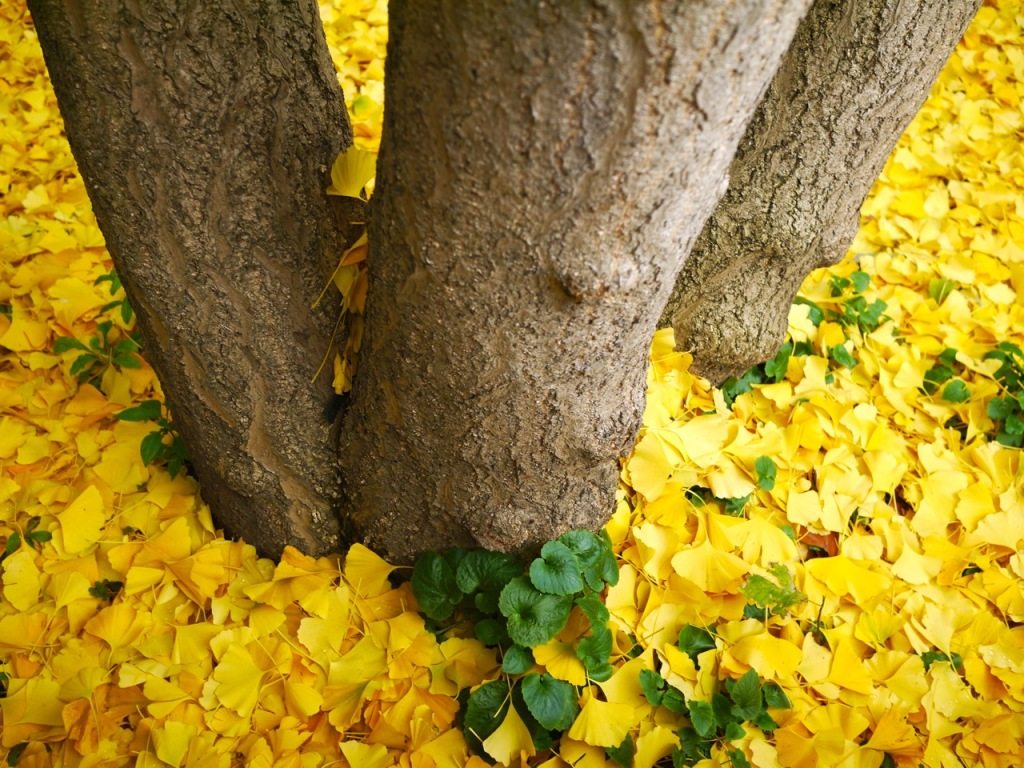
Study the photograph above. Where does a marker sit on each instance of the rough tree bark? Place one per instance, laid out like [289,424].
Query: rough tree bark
[544,169]
[205,133]
[855,75]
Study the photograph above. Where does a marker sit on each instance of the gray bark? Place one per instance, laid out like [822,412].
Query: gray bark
[855,75]
[205,133]
[544,169]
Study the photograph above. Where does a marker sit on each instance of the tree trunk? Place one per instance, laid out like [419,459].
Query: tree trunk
[205,133]
[855,75]
[543,171]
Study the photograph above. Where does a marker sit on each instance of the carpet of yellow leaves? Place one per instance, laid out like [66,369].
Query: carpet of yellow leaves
[207,655]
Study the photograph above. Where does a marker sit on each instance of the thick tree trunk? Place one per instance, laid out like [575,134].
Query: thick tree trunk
[856,74]
[544,169]
[205,132]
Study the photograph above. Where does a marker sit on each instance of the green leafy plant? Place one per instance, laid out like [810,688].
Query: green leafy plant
[105,589]
[771,597]
[516,607]
[766,473]
[856,310]
[1008,411]
[623,753]
[121,305]
[163,444]
[694,640]
[770,371]
[14,754]
[953,659]
[722,720]
[841,355]
[945,367]
[101,352]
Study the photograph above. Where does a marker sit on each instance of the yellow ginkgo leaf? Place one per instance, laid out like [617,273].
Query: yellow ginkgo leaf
[511,740]
[21,579]
[237,680]
[353,169]
[82,522]
[171,741]
[366,755]
[602,723]
[366,572]
[561,662]
[654,745]
[710,569]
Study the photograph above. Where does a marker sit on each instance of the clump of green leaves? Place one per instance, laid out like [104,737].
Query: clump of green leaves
[99,353]
[718,721]
[106,589]
[163,444]
[1008,411]
[517,607]
[121,305]
[946,365]
[770,371]
[771,597]
[856,310]
[721,720]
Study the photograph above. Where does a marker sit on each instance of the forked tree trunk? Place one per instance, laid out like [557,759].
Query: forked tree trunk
[205,132]
[544,169]
[855,75]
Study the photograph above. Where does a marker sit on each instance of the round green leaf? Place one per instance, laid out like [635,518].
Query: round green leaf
[595,649]
[147,410]
[593,609]
[151,447]
[703,718]
[552,702]
[490,632]
[533,617]
[556,571]
[481,569]
[433,583]
[517,660]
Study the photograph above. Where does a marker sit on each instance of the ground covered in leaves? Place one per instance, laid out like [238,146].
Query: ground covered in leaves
[818,564]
